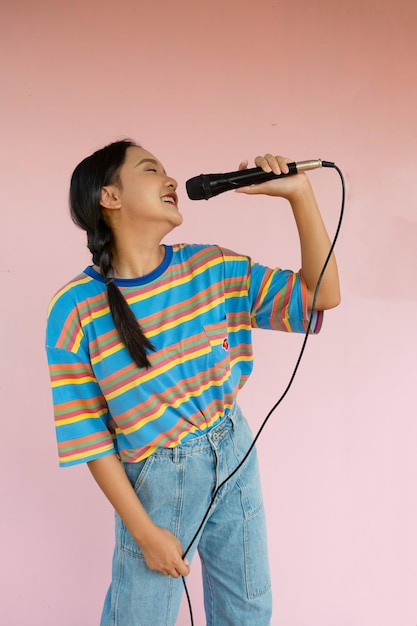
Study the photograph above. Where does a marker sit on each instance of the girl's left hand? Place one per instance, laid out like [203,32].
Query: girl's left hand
[286,187]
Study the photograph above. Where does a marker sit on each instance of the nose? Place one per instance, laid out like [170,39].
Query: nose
[171,182]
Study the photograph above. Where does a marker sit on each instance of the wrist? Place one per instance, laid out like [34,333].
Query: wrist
[302,193]
[143,531]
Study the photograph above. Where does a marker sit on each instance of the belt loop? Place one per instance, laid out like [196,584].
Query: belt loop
[176,455]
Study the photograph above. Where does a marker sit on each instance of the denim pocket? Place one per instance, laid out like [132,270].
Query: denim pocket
[258,580]
[136,473]
[158,483]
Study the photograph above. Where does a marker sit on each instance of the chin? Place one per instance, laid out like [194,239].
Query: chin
[178,219]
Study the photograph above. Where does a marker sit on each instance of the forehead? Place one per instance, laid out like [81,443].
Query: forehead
[136,154]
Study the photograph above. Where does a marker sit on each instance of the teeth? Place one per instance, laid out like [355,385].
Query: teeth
[168,199]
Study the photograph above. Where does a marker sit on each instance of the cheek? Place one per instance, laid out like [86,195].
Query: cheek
[142,196]
[138,198]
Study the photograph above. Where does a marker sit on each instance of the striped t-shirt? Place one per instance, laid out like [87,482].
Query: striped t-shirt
[198,309]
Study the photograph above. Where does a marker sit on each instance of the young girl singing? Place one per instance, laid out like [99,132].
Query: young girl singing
[148,348]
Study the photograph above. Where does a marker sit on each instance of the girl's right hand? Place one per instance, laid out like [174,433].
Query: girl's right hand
[163,553]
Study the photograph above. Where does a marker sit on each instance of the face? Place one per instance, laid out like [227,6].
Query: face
[145,197]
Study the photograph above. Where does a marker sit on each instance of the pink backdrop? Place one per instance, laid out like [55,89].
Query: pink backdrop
[204,85]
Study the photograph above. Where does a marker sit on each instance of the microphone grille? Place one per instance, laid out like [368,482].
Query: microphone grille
[195,188]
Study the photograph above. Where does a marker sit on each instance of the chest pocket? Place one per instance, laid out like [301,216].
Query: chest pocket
[219,342]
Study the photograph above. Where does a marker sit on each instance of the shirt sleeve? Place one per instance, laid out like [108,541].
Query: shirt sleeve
[279,301]
[83,423]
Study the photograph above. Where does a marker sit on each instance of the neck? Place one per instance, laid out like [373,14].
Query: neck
[133,263]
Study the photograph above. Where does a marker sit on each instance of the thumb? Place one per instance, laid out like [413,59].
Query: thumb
[249,189]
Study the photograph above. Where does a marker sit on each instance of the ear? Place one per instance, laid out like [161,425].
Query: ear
[109,198]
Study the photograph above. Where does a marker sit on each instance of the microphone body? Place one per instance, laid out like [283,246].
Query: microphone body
[206,186]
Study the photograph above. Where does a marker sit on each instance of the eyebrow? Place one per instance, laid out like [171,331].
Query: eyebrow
[149,160]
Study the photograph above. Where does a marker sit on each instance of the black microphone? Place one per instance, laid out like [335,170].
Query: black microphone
[206,186]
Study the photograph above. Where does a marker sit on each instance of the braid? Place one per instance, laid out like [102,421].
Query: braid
[99,243]
[126,324]
[100,169]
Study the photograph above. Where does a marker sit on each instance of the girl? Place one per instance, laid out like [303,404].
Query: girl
[148,348]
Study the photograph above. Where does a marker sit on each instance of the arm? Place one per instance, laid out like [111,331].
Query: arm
[161,549]
[314,240]
[82,424]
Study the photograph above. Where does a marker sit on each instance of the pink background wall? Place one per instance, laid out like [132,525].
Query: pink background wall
[204,85]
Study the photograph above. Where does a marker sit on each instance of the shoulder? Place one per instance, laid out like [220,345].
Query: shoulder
[77,288]
[66,307]
[207,251]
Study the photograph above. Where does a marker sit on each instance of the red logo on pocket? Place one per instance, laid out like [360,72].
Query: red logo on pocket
[225,344]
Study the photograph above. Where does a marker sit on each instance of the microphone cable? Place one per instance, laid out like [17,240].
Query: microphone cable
[286,390]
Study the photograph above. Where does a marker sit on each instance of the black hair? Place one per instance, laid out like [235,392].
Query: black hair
[89,177]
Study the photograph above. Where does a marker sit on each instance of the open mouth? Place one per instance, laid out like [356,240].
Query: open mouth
[171,198]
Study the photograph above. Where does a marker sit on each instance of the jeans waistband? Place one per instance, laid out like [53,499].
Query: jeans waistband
[212,437]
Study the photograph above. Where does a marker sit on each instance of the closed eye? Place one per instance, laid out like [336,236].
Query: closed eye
[151,165]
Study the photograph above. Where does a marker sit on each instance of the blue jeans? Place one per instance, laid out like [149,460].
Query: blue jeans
[175,485]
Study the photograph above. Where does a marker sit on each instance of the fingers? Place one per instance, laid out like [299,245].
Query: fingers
[182,569]
[163,553]
[282,186]
[271,163]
